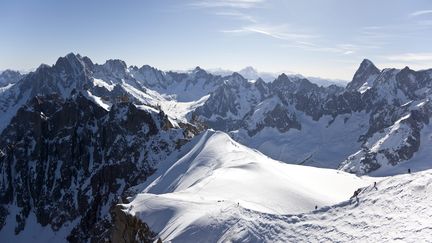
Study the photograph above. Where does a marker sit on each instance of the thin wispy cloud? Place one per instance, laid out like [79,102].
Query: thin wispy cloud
[421,12]
[227,3]
[283,27]
[303,40]
[281,32]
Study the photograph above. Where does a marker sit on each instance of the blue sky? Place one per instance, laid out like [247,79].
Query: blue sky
[326,38]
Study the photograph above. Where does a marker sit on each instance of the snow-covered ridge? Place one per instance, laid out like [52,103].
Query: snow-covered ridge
[106,119]
[79,158]
[9,77]
[219,176]
[107,84]
[299,122]
[252,73]
[234,104]
[394,209]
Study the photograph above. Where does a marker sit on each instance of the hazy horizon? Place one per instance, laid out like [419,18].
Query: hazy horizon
[313,38]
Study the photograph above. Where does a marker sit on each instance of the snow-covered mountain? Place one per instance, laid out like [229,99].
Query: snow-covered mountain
[231,101]
[9,77]
[78,137]
[221,191]
[63,165]
[395,209]
[106,84]
[382,117]
[251,73]
[65,132]
[183,87]
[198,196]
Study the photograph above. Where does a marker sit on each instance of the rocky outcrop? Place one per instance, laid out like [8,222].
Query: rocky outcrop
[67,161]
[364,76]
[385,98]
[8,77]
[129,229]
[230,103]
[391,145]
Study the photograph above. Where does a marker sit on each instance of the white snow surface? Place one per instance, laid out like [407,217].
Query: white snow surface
[174,109]
[101,83]
[396,210]
[420,161]
[4,88]
[97,100]
[209,189]
[323,143]
[368,84]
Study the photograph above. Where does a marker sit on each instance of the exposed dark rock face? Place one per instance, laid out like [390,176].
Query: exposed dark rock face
[128,229]
[404,136]
[67,161]
[384,97]
[9,77]
[184,87]
[278,118]
[233,104]
[111,81]
[366,72]
[73,139]
[230,102]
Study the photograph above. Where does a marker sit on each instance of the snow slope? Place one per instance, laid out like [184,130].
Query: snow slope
[218,178]
[396,210]
[420,161]
[323,143]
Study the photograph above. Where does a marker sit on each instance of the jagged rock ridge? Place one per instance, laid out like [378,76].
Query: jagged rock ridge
[68,161]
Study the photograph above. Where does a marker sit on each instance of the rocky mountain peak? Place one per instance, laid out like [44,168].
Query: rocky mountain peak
[146,68]
[406,68]
[199,72]
[305,84]
[367,63]
[249,69]
[366,73]
[282,82]
[115,65]
[197,69]
[9,77]
[249,72]
[9,72]
[259,81]
[283,77]
[71,64]
[235,79]
[78,170]
[237,75]
[88,62]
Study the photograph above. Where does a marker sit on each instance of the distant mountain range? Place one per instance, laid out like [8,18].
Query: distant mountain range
[78,137]
[253,74]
